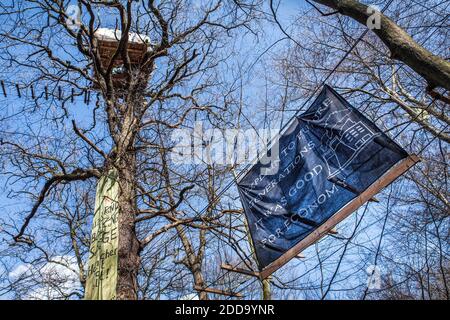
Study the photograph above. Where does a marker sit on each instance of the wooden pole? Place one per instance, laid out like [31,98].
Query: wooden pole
[396,171]
[267,293]
[218,291]
[231,268]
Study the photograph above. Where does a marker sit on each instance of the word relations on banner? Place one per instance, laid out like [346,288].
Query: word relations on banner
[331,161]
[101,280]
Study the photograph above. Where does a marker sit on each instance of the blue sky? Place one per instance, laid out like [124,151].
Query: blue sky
[251,50]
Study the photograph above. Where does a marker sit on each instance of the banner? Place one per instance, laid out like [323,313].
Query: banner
[330,158]
[101,280]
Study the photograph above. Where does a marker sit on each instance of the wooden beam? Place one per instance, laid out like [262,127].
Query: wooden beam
[218,291]
[115,44]
[107,49]
[333,231]
[392,174]
[373,199]
[229,267]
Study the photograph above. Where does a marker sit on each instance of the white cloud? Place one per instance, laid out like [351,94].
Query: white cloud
[190,296]
[53,280]
[19,271]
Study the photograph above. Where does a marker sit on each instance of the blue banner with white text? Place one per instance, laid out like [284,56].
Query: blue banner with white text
[326,157]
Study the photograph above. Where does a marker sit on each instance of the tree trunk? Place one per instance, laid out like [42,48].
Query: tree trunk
[198,280]
[193,263]
[267,294]
[434,69]
[128,253]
